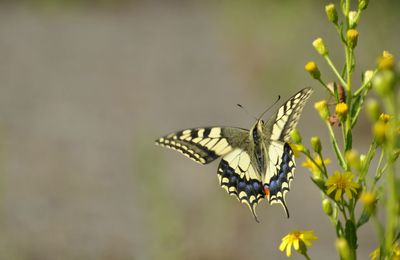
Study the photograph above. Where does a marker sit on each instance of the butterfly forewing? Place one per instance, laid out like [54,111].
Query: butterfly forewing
[205,144]
[288,115]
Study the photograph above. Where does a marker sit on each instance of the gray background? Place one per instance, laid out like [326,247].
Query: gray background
[86,88]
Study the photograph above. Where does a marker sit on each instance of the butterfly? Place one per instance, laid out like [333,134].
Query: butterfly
[256,163]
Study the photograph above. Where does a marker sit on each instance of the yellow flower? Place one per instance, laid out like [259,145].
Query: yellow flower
[375,255]
[314,168]
[379,130]
[341,110]
[297,149]
[353,159]
[352,37]
[331,13]
[341,183]
[343,248]
[322,108]
[312,68]
[386,61]
[368,198]
[396,251]
[320,46]
[384,117]
[296,238]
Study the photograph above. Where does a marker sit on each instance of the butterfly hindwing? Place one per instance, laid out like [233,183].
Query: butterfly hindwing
[280,172]
[205,144]
[238,177]
[287,116]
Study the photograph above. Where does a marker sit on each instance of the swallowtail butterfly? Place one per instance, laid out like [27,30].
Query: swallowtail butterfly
[256,163]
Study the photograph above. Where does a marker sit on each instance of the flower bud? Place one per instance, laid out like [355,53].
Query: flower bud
[316,144]
[368,199]
[353,19]
[386,61]
[322,108]
[312,68]
[343,248]
[331,13]
[379,130]
[341,110]
[296,137]
[373,109]
[362,159]
[362,4]
[353,159]
[352,38]
[320,47]
[327,207]
[383,83]
[367,76]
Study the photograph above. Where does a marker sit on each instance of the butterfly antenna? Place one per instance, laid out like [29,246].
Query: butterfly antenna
[245,110]
[271,106]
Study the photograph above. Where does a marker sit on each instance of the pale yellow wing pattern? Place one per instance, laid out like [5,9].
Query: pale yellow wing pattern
[238,177]
[281,165]
[287,116]
[280,172]
[205,144]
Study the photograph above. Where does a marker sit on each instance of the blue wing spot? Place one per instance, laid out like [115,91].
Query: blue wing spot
[257,187]
[249,190]
[241,186]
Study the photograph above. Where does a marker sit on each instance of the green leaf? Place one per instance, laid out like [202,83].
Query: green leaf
[349,141]
[356,108]
[365,215]
[351,234]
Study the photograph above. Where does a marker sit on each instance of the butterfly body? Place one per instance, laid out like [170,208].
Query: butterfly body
[256,163]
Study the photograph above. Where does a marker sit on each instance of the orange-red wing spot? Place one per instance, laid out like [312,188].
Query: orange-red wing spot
[266,191]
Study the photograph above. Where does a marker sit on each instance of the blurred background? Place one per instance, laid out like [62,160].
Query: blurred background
[87,86]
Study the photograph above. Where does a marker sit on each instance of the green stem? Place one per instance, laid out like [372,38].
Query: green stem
[349,64]
[368,159]
[323,165]
[336,148]
[392,202]
[378,172]
[326,86]
[306,256]
[365,85]
[308,155]
[330,63]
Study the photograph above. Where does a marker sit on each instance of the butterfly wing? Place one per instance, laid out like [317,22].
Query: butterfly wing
[236,173]
[205,144]
[281,165]
[238,177]
[287,116]
[280,171]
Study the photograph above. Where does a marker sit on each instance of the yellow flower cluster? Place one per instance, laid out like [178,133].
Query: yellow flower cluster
[315,168]
[295,239]
[341,183]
